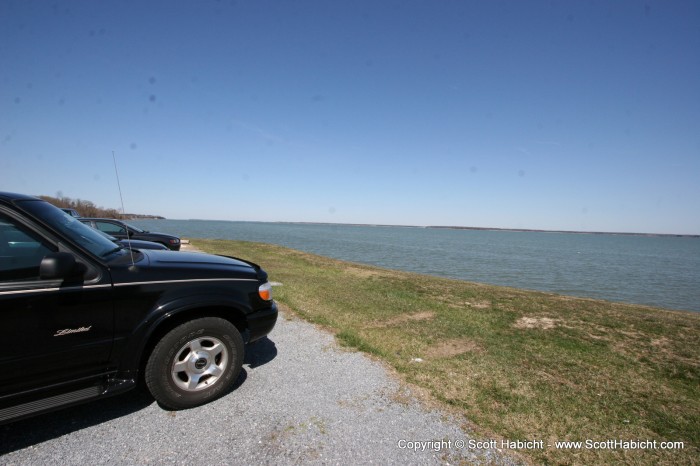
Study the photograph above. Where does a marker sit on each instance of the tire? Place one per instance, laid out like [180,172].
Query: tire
[195,363]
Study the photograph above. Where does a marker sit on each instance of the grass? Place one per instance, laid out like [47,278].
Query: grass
[518,364]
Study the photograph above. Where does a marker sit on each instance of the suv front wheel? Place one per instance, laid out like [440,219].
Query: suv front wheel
[194,363]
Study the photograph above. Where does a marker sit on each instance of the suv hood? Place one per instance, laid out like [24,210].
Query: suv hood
[208,264]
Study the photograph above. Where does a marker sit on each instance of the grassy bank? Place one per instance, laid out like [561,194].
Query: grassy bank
[518,364]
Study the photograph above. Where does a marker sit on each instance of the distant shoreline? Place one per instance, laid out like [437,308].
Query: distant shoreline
[525,230]
[448,227]
[567,231]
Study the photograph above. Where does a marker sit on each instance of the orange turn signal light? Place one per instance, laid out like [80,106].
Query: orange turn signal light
[265,291]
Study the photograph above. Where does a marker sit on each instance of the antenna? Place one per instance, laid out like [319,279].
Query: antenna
[128,237]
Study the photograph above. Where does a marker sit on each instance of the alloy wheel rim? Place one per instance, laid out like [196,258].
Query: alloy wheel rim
[199,364]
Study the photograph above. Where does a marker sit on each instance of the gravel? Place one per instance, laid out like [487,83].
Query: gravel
[300,399]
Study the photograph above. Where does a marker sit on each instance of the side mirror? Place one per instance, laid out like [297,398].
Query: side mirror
[59,265]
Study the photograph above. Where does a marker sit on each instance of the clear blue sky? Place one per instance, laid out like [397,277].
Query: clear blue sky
[516,114]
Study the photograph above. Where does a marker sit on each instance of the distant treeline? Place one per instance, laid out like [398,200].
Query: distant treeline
[89,209]
[565,231]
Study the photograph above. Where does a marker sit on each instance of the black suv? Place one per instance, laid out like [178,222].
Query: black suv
[122,230]
[81,317]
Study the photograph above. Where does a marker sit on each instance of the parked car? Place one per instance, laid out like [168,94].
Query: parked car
[82,318]
[122,230]
[133,243]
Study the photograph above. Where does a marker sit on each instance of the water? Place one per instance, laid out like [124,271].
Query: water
[657,271]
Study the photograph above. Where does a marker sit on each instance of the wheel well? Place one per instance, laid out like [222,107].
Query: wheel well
[236,317]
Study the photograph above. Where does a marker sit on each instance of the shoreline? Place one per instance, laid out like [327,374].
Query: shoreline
[620,268]
[449,227]
[573,232]
[187,246]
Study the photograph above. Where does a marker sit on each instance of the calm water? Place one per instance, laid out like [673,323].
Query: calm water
[658,271]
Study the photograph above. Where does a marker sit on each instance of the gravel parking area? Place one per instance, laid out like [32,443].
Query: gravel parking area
[300,399]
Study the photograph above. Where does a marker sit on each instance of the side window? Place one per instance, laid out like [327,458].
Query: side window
[21,251]
[110,228]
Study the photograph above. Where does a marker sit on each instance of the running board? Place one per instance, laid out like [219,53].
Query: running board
[49,403]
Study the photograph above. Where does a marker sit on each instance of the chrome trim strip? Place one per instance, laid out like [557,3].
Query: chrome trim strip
[189,281]
[38,290]
[48,290]
[160,282]
[107,285]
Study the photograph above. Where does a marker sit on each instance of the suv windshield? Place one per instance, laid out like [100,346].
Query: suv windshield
[71,227]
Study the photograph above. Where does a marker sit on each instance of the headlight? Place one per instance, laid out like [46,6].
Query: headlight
[265,291]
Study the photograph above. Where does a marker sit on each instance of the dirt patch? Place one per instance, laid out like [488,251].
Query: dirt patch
[361,272]
[478,304]
[450,348]
[468,304]
[544,323]
[660,342]
[404,318]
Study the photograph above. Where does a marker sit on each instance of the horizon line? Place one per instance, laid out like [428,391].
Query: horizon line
[454,227]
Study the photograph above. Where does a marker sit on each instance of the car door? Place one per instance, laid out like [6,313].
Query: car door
[112,228]
[53,331]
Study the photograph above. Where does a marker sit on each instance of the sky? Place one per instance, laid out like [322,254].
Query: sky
[512,114]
